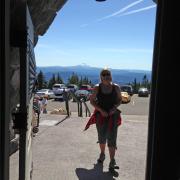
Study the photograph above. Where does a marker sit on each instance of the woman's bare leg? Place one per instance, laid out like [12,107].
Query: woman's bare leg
[102,154]
[102,148]
[112,152]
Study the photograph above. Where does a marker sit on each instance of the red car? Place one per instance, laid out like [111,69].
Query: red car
[86,87]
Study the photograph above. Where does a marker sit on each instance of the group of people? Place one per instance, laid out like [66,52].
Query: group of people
[40,106]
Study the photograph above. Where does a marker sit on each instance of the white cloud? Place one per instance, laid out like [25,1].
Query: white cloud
[138,10]
[114,14]
[121,10]
[121,13]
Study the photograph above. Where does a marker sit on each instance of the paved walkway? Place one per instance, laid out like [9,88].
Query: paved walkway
[63,151]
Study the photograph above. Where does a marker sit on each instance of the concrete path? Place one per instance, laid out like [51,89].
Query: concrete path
[63,151]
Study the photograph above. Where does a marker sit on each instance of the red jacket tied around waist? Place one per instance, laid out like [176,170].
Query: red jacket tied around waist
[92,120]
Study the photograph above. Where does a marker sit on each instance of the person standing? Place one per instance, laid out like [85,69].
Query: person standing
[37,107]
[105,98]
[44,103]
[66,99]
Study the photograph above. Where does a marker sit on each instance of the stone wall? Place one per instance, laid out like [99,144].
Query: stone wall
[14,77]
[14,92]
[43,13]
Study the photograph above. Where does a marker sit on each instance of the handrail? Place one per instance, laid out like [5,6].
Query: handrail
[87,108]
[74,96]
[79,103]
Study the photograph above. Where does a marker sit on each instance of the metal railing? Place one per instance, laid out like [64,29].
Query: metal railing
[79,104]
[86,107]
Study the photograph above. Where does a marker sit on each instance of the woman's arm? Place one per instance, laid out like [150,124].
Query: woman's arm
[119,96]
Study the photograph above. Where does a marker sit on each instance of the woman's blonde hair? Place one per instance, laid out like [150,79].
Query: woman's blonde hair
[105,70]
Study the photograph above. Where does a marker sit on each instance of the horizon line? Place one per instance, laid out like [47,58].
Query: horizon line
[129,69]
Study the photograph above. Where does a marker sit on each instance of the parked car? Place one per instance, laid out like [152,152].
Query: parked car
[45,92]
[58,91]
[58,86]
[82,94]
[85,87]
[127,88]
[143,92]
[126,98]
[72,87]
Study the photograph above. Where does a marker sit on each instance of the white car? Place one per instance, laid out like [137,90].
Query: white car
[58,90]
[143,92]
[72,87]
[45,92]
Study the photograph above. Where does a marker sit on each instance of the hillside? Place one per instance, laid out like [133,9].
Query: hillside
[120,76]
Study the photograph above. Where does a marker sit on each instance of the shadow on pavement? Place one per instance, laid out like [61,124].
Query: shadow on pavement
[61,121]
[93,174]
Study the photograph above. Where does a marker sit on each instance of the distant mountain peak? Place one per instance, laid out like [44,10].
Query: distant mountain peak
[84,64]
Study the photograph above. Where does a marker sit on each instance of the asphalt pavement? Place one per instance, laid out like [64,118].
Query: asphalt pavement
[137,106]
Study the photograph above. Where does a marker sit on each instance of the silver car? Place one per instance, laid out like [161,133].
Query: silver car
[45,92]
[143,92]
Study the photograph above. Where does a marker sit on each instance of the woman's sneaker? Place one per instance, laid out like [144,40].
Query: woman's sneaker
[112,167]
[112,163]
[101,158]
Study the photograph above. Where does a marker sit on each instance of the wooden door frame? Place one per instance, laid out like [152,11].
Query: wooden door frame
[4,88]
[163,159]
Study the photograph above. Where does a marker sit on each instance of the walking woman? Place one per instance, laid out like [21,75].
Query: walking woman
[105,98]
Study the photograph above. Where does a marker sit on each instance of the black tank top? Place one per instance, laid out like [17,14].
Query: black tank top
[106,101]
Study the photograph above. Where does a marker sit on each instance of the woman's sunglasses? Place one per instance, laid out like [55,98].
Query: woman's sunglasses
[106,74]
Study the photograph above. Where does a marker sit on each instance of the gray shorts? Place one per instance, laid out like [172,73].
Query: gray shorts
[104,133]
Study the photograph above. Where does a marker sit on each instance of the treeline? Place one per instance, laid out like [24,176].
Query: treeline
[144,83]
[74,79]
[56,79]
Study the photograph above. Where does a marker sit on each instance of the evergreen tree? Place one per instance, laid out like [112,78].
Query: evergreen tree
[52,81]
[135,86]
[59,79]
[149,86]
[85,80]
[41,80]
[45,85]
[144,81]
[90,83]
[80,82]
[74,79]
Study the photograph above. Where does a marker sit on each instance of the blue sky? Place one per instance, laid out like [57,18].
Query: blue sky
[117,34]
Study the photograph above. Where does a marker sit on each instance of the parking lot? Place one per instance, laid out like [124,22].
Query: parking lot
[137,106]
